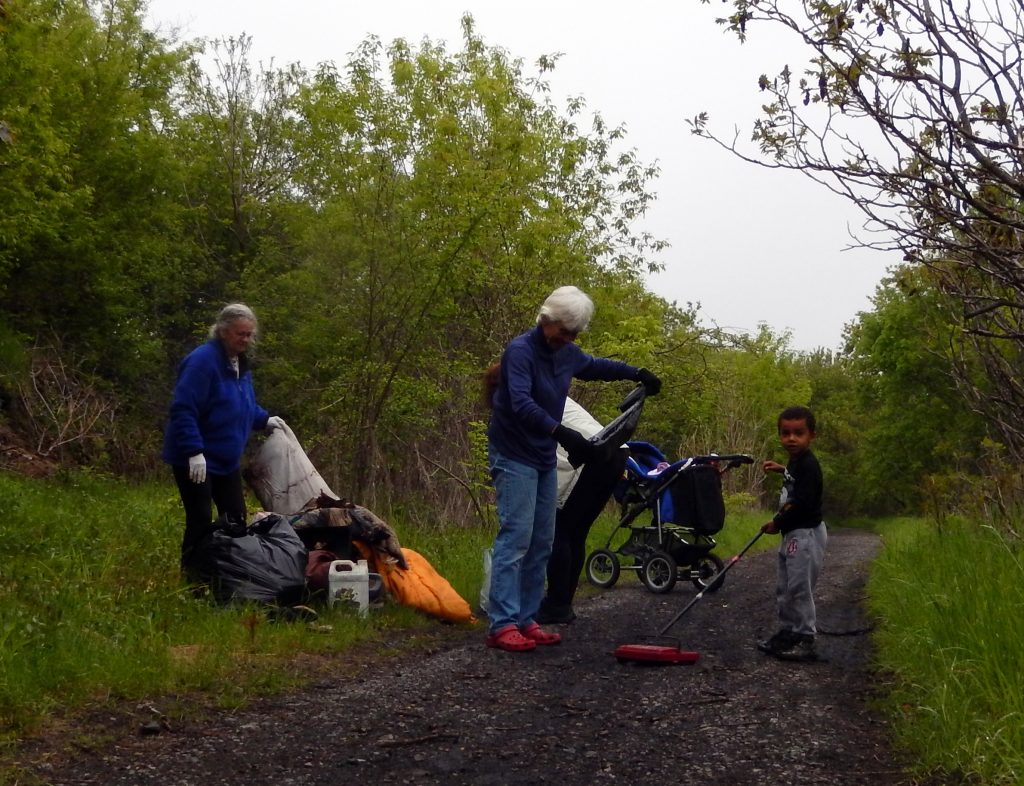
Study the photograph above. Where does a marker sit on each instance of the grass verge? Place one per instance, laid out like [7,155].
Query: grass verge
[950,602]
[93,610]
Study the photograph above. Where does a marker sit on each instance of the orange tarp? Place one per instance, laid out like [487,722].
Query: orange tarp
[419,586]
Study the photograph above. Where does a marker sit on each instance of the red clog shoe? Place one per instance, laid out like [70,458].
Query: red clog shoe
[510,639]
[539,636]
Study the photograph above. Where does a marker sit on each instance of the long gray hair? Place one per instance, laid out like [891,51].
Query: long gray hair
[233,312]
[569,306]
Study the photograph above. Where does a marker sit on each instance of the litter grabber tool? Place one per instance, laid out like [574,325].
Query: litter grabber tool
[673,653]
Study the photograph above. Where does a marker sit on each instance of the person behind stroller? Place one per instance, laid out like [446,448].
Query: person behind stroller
[804,537]
[582,494]
[537,368]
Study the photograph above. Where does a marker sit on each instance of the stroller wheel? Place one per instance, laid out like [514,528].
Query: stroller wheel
[659,572]
[706,568]
[602,568]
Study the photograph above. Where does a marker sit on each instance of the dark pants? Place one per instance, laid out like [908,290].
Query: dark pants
[572,524]
[199,498]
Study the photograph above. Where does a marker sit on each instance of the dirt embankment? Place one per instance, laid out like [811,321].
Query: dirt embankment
[570,715]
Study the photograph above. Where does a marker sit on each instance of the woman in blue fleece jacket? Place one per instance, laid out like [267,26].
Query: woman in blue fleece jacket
[213,412]
[537,368]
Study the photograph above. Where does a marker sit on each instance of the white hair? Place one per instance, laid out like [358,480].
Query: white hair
[231,313]
[569,306]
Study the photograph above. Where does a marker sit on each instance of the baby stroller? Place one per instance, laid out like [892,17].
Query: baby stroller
[687,510]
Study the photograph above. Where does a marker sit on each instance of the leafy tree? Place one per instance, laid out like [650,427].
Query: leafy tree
[751,379]
[233,131]
[913,111]
[90,220]
[915,424]
[436,199]
[843,420]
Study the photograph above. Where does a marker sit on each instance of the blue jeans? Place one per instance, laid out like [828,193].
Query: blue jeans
[526,516]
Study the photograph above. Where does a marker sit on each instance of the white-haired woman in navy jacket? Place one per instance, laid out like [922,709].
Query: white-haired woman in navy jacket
[536,370]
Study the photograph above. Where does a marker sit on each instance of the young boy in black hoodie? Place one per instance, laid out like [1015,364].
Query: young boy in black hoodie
[804,537]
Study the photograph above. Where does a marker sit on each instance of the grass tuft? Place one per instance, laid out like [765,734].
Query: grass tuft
[949,605]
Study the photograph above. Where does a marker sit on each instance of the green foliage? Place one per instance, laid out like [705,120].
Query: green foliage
[14,360]
[90,220]
[91,604]
[744,383]
[394,224]
[87,186]
[444,198]
[919,424]
[478,478]
[232,131]
[632,325]
[948,634]
[840,443]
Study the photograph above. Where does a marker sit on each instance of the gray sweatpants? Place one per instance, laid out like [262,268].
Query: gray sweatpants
[801,554]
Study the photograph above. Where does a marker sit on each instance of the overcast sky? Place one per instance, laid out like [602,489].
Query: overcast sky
[748,244]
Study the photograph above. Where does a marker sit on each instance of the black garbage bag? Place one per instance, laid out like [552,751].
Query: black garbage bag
[264,562]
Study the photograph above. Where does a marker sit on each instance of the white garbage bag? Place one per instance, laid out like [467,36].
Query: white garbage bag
[282,476]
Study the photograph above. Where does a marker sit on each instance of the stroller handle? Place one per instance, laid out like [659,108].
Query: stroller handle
[732,459]
[639,393]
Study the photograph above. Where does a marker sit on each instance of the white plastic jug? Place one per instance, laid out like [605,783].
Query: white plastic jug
[349,582]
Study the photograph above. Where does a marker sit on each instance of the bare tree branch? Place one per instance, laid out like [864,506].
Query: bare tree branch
[914,111]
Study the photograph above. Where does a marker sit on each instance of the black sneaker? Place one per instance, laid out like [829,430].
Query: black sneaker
[554,615]
[780,640]
[801,650]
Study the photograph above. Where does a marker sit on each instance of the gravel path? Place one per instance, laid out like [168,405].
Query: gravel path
[462,714]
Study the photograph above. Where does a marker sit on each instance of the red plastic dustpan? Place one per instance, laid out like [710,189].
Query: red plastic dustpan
[654,653]
[663,653]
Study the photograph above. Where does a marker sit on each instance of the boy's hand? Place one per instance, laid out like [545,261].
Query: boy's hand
[770,528]
[772,466]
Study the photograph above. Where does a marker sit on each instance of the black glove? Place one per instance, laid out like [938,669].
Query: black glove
[579,448]
[650,382]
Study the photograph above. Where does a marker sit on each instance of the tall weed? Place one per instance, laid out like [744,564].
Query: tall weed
[949,604]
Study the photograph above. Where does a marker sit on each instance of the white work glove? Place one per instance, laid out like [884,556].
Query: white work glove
[197,468]
[273,422]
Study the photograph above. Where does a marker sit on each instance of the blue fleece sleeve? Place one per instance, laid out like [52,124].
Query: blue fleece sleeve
[589,367]
[260,418]
[191,392]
